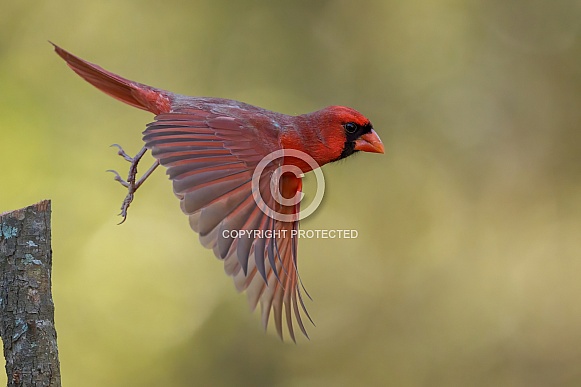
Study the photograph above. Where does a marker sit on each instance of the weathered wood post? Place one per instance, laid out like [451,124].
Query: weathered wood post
[26,307]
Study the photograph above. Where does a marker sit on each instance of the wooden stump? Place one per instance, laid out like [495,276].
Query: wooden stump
[26,307]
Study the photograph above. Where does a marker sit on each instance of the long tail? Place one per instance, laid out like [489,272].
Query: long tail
[132,93]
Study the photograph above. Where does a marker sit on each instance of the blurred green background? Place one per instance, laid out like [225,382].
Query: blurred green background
[467,267]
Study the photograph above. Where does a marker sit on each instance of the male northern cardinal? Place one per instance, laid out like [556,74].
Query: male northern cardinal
[211,147]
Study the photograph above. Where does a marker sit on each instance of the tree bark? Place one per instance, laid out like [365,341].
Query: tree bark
[26,306]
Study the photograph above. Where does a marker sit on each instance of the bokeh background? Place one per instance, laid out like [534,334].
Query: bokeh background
[467,268]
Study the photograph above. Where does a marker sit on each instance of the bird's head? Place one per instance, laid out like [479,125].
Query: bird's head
[342,131]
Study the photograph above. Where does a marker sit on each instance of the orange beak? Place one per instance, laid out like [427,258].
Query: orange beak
[369,142]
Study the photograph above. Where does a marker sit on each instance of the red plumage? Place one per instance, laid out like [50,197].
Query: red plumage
[211,147]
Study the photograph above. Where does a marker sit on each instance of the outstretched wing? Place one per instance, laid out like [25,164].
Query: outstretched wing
[211,157]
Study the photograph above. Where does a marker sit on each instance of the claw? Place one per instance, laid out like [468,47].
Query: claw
[126,202]
[122,153]
[130,183]
[119,178]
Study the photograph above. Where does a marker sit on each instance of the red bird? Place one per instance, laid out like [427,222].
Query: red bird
[211,147]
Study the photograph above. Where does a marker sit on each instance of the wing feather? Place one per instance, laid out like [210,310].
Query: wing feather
[211,159]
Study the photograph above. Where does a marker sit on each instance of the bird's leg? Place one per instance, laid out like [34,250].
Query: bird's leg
[131,184]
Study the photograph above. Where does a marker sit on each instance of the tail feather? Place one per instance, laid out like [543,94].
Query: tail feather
[132,93]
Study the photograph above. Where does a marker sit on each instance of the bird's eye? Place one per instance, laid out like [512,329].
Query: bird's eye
[351,127]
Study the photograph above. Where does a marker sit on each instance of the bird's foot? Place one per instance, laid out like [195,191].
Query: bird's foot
[131,184]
